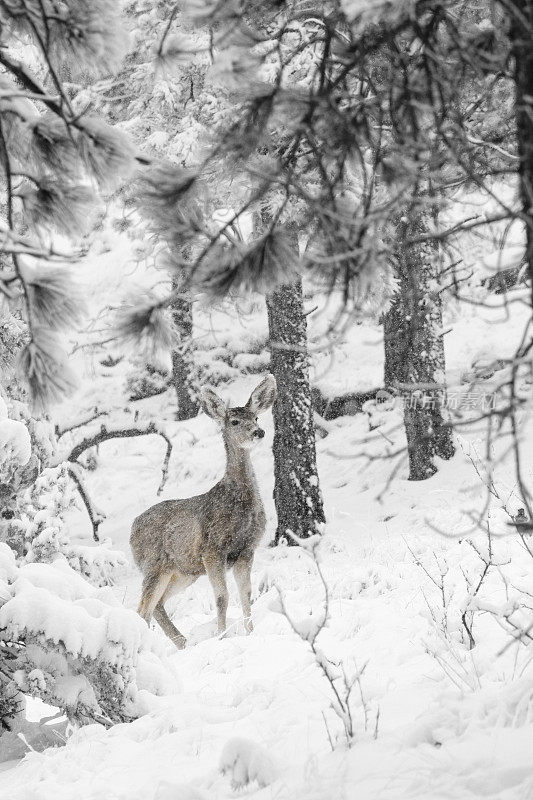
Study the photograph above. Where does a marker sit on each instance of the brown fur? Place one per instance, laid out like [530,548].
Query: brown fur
[176,541]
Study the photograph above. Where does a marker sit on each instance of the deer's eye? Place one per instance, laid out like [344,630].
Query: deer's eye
[234,421]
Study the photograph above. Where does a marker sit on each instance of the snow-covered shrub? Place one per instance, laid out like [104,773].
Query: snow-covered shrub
[43,435]
[99,565]
[478,593]
[15,467]
[34,500]
[12,338]
[46,535]
[11,700]
[76,647]
[59,638]
[41,520]
[147,380]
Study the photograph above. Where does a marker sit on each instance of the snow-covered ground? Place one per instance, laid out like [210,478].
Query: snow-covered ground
[254,715]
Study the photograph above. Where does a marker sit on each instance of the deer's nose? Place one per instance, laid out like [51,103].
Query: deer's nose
[259,433]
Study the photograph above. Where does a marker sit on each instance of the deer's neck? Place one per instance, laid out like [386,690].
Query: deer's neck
[238,465]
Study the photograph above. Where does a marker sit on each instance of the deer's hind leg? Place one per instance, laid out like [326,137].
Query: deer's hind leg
[177,583]
[154,585]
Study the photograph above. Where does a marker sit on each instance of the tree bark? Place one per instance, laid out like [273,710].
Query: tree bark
[521,13]
[182,357]
[414,349]
[296,488]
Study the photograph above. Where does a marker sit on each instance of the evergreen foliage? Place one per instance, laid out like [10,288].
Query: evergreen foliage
[54,159]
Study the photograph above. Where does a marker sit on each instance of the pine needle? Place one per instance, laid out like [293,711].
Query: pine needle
[65,207]
[107,153]
[161,191]
[262,265]
[52,143]
[55,300]
[43,365]
[146,325]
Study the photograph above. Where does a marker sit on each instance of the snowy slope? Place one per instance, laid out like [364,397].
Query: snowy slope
[433,719]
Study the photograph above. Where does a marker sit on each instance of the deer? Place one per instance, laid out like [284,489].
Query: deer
[176,541]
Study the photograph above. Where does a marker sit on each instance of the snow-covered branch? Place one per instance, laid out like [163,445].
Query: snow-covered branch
[105,435]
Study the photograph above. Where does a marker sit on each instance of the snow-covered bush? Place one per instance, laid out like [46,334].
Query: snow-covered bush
[99,565]
[146,380]
[35,500]
[74,645]
[478,603]
[60,638]
[41,521]
[39,531]
[15,455]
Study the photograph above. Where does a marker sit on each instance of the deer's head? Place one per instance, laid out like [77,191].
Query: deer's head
[239,424]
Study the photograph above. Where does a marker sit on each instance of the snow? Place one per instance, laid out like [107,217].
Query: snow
[248,703]
[253,715]
[246,762]
[15,440]
[503,259]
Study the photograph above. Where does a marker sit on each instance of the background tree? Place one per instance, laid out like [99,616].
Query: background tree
[296,486]
[159,95]
[519,14]
[297,495]
[414,348]
[183,355]
[342,114]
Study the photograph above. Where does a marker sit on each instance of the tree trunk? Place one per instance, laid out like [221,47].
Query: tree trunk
[182,357]
[521,12]
[296,491]
[414,349]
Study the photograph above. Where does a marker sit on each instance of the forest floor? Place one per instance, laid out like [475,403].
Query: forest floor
[433,718]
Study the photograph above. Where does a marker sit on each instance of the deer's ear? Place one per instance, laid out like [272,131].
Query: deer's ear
[213,405]
[263,395]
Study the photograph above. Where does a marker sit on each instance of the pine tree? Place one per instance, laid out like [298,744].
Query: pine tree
[296,488]
[182,354]
[414,349]
[520,20]
[342,112]
[160,96]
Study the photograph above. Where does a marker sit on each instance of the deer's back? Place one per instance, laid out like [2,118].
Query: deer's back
[161,530]
[229,519]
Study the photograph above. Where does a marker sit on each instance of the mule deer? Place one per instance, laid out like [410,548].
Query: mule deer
[176,541]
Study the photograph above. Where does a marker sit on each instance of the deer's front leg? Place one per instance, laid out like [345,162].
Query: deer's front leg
[215,568]
[242,571]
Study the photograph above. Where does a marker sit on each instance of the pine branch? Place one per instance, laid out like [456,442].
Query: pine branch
[147,325]
[24,76]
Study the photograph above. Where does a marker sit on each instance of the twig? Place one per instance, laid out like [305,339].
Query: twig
[94,415]
[95,515]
